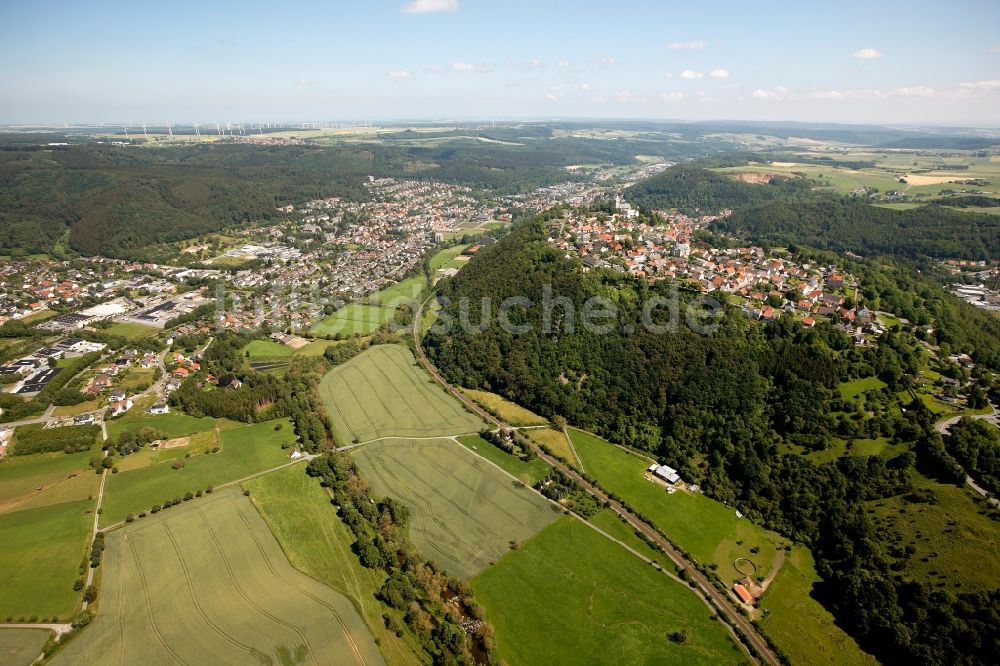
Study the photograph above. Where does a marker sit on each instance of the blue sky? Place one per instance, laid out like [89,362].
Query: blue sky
[908,62]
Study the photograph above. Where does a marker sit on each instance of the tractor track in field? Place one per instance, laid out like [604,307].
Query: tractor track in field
[336,614]
[207,617]
[417,498]
[243,595]
[149,606]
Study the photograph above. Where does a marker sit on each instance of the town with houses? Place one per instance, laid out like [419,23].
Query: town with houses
[763,284]
[290,273]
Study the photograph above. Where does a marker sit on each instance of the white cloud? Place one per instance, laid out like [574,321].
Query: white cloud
[824,94]
[781,90]
[867,54]
[553,94]
[430,6]
[688,74]
[764,94]
[400,74]
[606,61]
[719,73]
[599,99]
[585,86]
[535,63]
[980,87]
[467,67]
[914,91]
[565,63]
[671,96]
[697,44]
[995,49]
[626,96]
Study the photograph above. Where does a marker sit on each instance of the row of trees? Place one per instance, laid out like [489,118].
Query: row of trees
[414,586]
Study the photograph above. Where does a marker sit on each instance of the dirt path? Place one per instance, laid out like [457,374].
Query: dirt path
[776,564]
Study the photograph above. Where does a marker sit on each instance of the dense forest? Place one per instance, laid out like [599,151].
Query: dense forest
[724,408]
[117,201]
[692,189]
[844,225]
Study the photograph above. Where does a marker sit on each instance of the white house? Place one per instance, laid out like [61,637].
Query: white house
[160,408]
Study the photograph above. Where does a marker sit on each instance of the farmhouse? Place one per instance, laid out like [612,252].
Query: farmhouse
[668,474]
[743,593]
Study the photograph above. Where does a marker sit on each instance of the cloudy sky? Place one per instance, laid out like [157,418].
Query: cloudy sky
[887,62]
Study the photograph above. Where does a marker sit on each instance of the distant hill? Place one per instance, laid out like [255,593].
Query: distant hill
[846,225]
[693,189]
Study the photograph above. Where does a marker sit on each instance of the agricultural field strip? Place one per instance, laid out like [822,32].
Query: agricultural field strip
[368,376]
[577,516]
[354,647]
[436,491]
[428,509]
[227,484]
[131,560]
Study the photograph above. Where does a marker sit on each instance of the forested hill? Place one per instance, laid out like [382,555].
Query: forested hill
[725,409]
[691,189]
[846,225]
[117,201]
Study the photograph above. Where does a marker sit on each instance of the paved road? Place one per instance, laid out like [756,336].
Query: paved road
[720,600]
[993,417]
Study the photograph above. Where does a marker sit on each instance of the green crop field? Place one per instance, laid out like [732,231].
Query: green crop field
[465,512]
[266,349]
[571,596]
[382,393]
[709,530]
[207,583]
[407,290]
[798,624]
[317,543]
[245,450]
[130,331]
[41,554]
[20,647]
[529,473]
[365,317]
[446,256]
[61,477]
[352,319]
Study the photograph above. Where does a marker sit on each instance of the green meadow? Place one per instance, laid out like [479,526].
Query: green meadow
[244,451]
[571,596]
[42,553]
